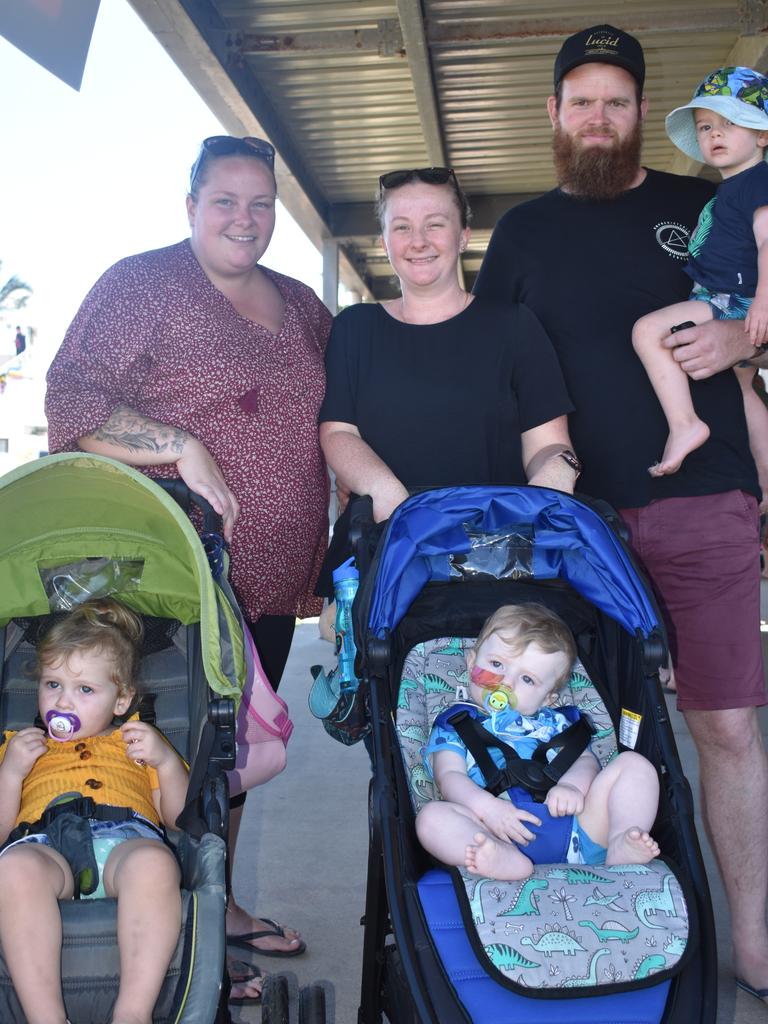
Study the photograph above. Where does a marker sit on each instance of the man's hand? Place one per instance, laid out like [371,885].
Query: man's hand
[709,348]
[563,799]
[506,821]
[23,750]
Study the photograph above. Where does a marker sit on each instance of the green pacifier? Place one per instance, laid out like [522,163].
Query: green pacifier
[500,700]
[496,700]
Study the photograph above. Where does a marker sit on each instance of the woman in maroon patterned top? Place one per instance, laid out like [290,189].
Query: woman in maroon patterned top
[195,361]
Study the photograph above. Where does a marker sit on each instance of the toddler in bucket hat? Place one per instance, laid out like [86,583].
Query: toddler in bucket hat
[740,95]
[725,125]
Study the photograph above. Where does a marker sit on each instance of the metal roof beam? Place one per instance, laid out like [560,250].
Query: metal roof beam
[357,220]
[753,17]
[414,38]
[486,30]
[178,31]
[386,40]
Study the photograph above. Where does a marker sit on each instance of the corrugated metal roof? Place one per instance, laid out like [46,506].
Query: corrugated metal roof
[348,89]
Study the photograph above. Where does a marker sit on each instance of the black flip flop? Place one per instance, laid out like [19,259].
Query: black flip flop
[758,993]
[246,1000]
[243,942]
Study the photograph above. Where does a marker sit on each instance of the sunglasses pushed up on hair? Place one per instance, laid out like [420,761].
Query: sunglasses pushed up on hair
[229,145]
[429,175]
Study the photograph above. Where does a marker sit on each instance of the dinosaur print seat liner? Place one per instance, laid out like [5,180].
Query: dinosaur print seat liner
[566,926]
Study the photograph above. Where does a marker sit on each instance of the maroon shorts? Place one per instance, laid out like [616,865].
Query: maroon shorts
[702,556]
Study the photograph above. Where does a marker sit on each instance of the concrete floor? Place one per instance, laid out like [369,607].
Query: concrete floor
[303,851]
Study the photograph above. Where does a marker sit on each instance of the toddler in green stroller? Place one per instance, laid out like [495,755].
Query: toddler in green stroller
[79,527]
[86,667]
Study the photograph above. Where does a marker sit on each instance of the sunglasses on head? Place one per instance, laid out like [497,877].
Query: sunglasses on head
[429,175]
[228,145]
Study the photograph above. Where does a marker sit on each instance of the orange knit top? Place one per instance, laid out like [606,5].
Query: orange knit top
[98,766]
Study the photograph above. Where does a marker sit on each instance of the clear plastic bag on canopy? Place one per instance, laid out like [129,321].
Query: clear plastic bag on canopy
[505,553]
[68,586]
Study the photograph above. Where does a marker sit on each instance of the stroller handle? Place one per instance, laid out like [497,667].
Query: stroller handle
[186,498]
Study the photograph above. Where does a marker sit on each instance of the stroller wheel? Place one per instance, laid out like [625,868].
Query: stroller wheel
[312,1005]
[275,1000]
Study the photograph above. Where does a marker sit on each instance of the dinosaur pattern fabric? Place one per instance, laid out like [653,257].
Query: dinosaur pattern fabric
[565,926]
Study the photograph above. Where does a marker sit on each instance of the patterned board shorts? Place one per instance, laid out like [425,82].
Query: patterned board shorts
[725,305]
[106,836]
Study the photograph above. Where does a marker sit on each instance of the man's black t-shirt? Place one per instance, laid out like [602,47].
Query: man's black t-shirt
[589,270]
[444,404]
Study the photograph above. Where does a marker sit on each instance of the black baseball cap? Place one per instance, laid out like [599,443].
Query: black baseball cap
[601,44]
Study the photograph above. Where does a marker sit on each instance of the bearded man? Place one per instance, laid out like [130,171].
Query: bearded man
[590,258]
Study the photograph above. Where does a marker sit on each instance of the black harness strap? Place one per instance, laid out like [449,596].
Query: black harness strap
[83,807]
[535,774]
[65,822]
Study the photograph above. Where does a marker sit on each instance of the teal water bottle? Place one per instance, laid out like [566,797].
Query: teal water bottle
[345,582]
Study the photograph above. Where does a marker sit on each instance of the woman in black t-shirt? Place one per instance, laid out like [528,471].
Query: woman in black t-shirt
[437,387]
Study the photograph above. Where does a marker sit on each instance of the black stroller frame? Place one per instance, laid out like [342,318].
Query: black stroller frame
[402,974]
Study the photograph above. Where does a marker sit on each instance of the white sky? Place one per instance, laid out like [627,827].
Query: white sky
[89,177]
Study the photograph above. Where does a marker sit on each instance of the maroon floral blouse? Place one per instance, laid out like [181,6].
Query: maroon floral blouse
[155,335]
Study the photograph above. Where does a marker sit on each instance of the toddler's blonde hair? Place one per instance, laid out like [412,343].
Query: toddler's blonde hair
[102,626]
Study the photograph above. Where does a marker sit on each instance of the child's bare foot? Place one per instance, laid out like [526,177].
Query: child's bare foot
[681,442]
[631,847]
[494,859]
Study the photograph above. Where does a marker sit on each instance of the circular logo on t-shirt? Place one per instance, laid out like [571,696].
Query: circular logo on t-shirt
[673,238]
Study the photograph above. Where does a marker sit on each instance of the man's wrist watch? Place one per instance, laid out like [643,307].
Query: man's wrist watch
[572,459]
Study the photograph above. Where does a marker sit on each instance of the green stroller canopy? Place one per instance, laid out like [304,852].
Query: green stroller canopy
[63,509]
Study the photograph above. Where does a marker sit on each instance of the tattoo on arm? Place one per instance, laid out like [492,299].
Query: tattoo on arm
[128,429]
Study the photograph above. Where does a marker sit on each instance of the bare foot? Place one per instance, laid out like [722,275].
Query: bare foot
[493,859]
[631,847]
[681,442]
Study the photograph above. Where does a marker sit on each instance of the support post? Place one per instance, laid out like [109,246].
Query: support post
[331,274]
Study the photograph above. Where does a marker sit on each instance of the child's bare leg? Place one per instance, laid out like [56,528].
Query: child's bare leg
[456,836]
[144,876]
[686,431]
[33,878]
[620,807]
[757,425]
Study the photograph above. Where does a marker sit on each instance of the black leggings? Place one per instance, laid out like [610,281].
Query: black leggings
[272,635]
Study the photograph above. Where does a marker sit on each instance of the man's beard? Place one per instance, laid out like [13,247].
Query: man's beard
[596,172]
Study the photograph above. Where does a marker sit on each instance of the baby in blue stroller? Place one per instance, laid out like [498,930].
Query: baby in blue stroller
[522,655]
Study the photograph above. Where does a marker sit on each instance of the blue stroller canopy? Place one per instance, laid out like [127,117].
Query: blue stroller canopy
[570,542]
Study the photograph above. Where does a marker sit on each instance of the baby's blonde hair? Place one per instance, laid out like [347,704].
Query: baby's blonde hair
[103,626]
[521,624]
